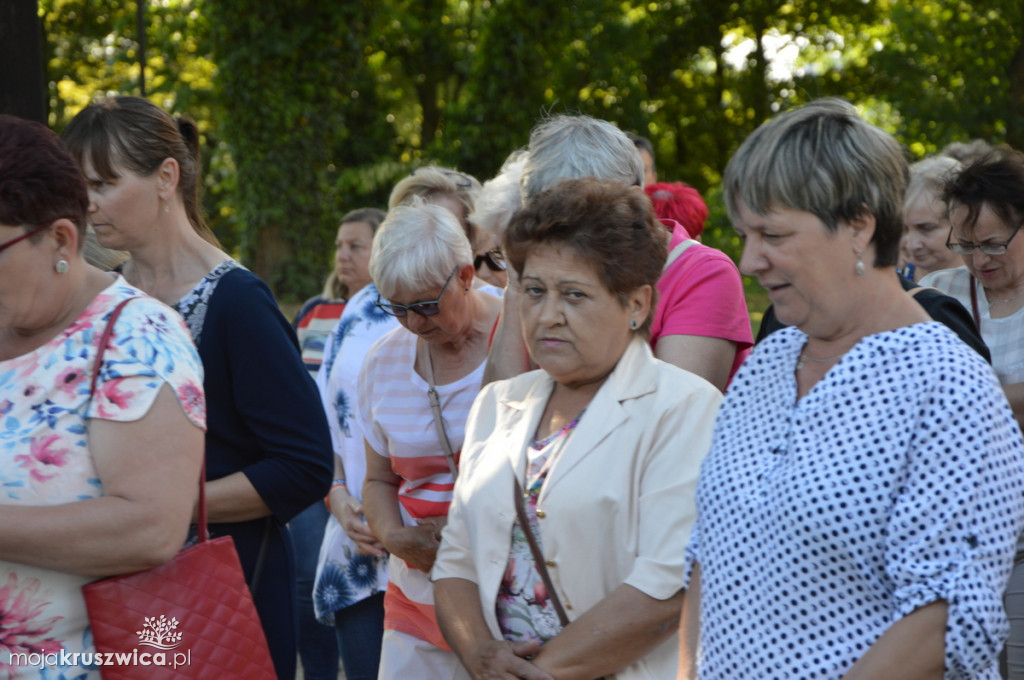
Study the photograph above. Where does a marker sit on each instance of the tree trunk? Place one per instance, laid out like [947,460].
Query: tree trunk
[22,79]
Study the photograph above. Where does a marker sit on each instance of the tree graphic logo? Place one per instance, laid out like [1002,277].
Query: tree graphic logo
[159,632]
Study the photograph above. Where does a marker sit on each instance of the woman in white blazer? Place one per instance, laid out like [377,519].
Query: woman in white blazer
[605,442]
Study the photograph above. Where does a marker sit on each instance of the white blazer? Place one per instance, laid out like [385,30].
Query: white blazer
[618,504]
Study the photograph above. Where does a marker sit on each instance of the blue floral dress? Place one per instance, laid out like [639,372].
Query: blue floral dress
[45,407]
[343,576]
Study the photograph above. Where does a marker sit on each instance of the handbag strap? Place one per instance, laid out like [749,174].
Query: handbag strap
[435,407]
[202,530]
[974,303]
[104,341]
[538,556]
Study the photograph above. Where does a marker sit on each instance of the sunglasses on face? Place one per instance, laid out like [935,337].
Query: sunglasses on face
[493,258]
[422,308]
[987,248]
[27,234]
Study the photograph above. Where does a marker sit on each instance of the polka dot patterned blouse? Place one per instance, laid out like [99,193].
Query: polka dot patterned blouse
[896,481]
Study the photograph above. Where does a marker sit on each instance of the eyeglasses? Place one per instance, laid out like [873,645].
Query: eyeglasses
[27,234]
[461,180]
[493,258]
[987,248]
[421,308]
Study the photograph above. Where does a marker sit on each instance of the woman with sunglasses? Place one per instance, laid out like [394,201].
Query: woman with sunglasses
[415,390]
[101,448]
[985,203]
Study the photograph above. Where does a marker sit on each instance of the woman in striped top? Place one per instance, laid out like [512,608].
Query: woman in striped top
[415,390]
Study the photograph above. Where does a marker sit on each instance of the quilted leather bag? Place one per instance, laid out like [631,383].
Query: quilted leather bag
[192,617]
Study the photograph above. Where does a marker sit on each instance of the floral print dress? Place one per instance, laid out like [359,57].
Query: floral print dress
[45,407]
[524,607]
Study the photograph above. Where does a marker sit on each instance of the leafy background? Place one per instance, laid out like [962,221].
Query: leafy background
[310,108]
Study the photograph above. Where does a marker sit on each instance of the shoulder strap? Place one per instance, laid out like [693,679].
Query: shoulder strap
[104,341]
[677,251]
[538,556]
[974,303]
[435,407]
[202,531]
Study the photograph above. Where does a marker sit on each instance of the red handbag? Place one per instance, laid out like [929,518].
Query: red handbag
[192,617]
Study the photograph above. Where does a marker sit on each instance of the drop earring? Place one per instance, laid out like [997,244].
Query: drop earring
[859,267]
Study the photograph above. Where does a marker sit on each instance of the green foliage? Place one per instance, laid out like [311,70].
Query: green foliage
[301,106]
[319,107]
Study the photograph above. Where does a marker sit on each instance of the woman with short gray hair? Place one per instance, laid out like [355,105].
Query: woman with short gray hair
[415,390]
[857,512]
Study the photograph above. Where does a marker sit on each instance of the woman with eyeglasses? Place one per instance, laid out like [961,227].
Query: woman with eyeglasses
[101,445]
[985,204]
[415,390]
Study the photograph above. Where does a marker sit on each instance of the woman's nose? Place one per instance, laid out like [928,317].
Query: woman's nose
[751,261]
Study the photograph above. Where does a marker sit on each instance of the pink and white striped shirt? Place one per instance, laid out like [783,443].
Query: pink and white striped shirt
[396,420]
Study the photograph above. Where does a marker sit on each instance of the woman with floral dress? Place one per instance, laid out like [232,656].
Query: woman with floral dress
[92,483]
[352,572]
[268,453]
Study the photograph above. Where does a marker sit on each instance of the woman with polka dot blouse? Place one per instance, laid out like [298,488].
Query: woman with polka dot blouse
[858,510]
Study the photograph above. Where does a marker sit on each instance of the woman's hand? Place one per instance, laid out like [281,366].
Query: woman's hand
[416,545]
[499,659]
[460,617]
[347,509]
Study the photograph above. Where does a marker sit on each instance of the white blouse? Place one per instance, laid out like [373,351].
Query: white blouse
[898,480]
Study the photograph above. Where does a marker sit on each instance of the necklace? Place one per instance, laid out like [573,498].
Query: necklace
[1009,299]
[804,358]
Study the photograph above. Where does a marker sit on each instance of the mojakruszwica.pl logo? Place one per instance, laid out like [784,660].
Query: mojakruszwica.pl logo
[157,632]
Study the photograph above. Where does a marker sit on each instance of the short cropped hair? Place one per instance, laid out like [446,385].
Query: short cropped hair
[570,147]
[930,175]
[824,159]
[431,180]
[499,198]
[997,180]
[417,247]
[967,152]
[607,223]
[39,180]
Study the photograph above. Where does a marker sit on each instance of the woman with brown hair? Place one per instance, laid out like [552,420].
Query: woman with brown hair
[604,440]
[268,449]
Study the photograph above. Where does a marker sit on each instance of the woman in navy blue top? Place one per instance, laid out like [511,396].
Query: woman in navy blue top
[268,450]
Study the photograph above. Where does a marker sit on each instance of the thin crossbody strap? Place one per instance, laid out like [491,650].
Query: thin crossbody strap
[435,407]
[974,304]
[538,556]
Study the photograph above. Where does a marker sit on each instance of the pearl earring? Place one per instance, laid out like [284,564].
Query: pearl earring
[859,267]
[61,267]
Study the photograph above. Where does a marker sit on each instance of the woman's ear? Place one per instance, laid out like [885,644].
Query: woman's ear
[65,233]
[466,274]
[638,304]
[168,175]
[863,226]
